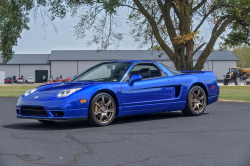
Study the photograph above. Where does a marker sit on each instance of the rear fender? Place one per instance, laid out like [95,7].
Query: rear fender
[207,80]
[202,85]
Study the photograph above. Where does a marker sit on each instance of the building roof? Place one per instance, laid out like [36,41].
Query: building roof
[30,59]
[110,55]
[218,56]
[107,55]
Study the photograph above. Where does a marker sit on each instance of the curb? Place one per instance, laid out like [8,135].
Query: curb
[239,101]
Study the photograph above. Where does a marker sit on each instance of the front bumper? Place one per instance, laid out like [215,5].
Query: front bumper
[53,119]
[45,107]
[69,114]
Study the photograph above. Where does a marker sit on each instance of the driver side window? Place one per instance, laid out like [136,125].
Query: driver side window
[146,70]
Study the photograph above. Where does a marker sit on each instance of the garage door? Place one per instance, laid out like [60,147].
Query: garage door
[41,76]
[2,76]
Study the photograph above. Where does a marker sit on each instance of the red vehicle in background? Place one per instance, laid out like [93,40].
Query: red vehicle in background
[8,80]
[21,80]
[68,79]
[58,79]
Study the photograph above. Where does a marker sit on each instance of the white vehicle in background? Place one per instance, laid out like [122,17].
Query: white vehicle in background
[31,80]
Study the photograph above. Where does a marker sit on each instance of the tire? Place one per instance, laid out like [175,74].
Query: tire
[238,81]
[46,121]
[100,114]
[192,110]
[225,81]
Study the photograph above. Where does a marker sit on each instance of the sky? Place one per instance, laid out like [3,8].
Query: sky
[40,41]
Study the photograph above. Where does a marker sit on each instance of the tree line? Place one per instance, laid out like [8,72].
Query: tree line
[174,25]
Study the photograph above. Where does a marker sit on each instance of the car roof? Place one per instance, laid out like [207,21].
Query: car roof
[130,61]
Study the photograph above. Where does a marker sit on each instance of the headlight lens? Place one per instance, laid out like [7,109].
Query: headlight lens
[67,92]
[29,92]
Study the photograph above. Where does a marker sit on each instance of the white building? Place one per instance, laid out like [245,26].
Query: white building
[69,63]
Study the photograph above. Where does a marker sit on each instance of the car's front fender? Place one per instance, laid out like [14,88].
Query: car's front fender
[89,92]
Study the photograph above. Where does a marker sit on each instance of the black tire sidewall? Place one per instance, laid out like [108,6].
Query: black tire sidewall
[225,82]
[236,83]
[188,100]
[92,119]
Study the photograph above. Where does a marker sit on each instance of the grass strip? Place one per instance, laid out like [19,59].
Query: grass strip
[235,93]
[14,90]
[227,93]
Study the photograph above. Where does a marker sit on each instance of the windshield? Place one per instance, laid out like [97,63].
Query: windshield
[234,70]
[110,72]
[173,71]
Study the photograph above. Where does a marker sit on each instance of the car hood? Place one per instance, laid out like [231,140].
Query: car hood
[58,87]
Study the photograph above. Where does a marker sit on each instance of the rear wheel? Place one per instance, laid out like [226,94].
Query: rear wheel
[102,110]
[225,81]
[196,102]
[46,121]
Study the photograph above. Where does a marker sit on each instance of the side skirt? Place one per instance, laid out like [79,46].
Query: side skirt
[171,106]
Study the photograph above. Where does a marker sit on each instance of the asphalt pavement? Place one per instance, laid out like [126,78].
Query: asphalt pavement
[221,136]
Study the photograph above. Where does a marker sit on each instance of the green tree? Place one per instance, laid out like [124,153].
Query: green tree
[243,53]
[13,20]
[172,24]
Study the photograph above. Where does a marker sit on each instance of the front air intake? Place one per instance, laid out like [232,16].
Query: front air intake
[57,113]
[33,111]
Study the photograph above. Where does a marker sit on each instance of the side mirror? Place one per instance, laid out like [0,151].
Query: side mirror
[134,78]
[224,76]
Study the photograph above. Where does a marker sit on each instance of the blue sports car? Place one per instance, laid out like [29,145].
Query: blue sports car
[120,88]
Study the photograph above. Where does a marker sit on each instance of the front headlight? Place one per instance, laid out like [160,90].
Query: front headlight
[65,93]
[29,92]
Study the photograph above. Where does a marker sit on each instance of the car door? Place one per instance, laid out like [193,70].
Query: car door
[153,92]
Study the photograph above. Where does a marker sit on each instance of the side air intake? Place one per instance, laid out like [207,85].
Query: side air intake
[177,91]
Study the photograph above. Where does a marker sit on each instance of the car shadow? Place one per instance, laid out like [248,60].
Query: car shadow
[69,125]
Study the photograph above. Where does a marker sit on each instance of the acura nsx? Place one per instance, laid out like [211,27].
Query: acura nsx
[120,88]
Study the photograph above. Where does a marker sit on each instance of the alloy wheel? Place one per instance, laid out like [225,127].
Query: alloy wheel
[197,100]
[103,109]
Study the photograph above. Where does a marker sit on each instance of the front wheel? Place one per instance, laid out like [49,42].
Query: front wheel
[196,102]
[238,81]
[102,110]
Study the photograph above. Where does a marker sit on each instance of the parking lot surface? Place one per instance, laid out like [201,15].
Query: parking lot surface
[219,137]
